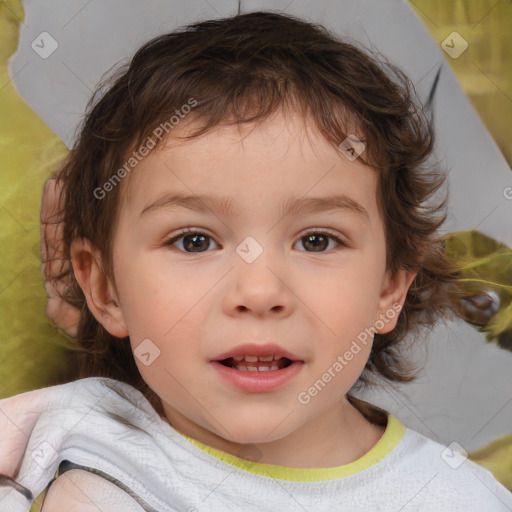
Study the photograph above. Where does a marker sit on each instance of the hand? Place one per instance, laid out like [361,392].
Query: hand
[55,268]
[18,416]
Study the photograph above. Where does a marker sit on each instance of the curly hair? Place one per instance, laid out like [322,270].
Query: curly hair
[241,69]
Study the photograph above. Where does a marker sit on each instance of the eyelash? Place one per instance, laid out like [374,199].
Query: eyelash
[189,231]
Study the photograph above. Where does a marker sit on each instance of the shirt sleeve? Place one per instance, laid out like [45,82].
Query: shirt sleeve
[89,490]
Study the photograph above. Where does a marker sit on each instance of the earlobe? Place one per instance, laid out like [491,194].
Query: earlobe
[97,287]
[392,299]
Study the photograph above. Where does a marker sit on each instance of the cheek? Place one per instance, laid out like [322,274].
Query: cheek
[346,299]
[152,296]
[167,308]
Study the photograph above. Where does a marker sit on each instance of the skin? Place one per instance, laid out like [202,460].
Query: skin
[53,260]
[196,305]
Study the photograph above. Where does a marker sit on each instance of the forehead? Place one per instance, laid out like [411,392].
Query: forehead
[251,166]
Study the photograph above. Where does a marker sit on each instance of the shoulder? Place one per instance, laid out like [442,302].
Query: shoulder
[82,491]
[441,474]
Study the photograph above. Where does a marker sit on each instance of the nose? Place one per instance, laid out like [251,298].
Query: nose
[259,287]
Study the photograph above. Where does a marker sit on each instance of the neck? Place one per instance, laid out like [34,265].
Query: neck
[337,437]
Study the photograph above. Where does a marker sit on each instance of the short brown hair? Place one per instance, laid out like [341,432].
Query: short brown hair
[240,70]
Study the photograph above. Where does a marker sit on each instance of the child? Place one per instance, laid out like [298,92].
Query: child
[251,233]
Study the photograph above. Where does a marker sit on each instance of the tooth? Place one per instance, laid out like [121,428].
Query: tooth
[238,358]
[276,358]
[256,368]
[251,359]
[266,358]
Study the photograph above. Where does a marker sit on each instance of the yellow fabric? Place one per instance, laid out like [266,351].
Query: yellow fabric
[389,440]
[31,351]
[483,70]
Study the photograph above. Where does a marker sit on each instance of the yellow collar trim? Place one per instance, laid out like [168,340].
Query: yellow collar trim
[389,440]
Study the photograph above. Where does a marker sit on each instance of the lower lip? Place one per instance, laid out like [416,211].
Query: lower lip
[258,382]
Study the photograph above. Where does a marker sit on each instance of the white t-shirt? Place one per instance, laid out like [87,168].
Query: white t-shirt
[109,428]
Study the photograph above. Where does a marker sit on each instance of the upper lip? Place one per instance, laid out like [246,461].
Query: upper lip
[257,349]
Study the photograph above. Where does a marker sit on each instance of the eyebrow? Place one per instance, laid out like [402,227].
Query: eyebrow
[294,206]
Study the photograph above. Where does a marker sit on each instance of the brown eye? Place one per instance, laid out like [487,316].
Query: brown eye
[191,241]
[318,241]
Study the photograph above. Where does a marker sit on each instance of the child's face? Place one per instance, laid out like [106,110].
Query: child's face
[312,297]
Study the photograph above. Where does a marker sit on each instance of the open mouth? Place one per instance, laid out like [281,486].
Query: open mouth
[258,374]
[257,364]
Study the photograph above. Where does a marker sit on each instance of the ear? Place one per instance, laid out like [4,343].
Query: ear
[98,289]
[393,293]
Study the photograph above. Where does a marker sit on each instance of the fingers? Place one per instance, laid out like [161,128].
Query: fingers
[55,266]
[52,230]
[18,415]
[61,312]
